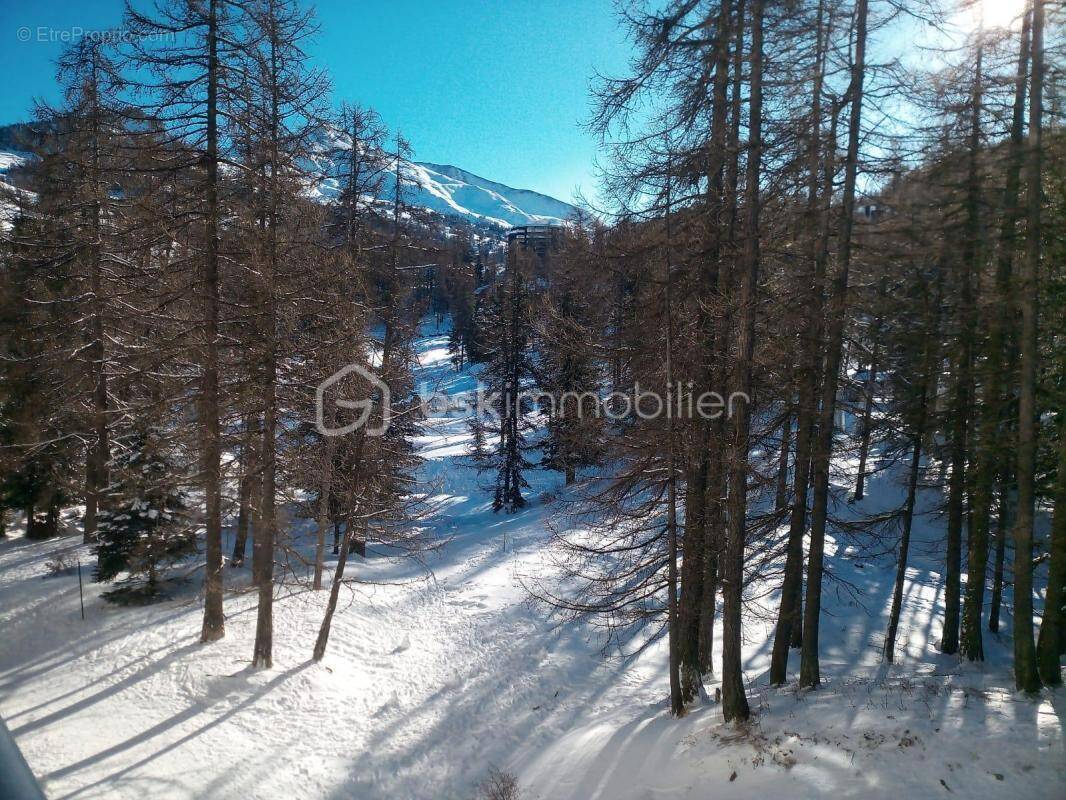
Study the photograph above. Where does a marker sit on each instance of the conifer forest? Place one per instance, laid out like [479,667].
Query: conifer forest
[737,472]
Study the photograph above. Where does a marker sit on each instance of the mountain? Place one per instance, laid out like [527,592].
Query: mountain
[11,196]
[10,160]
[442,188]
[451,190]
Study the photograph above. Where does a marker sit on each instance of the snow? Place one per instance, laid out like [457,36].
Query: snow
[10,160]
[11,197]
[12,200]
[451,191]
[438,187]
[433,674]
[468,194]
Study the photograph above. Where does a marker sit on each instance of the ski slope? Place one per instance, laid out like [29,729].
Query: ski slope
[434,672]
[441,188]
[448,189]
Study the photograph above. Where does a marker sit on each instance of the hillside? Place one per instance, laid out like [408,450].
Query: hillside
[11,196]
[451,191]
[469,194]
[439,188]
[433,675]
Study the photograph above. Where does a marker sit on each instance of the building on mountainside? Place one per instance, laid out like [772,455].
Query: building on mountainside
[535,240]
[542,239]
[872,212]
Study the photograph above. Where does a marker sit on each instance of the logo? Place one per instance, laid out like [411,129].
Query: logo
[379,394]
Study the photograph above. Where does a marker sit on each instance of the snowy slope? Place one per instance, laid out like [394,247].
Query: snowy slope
[10,196]
[441,188]
[433,676]
[453,191]
[472,196]
[10,160]
[438,187]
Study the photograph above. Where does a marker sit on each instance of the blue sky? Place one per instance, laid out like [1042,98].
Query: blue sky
[498,87]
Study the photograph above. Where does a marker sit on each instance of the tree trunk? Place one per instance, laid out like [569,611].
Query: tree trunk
[971,644]
[31,521]
[715,280]
[51,517]
[690,604]
[211,435]
[265,540]
[788,631]
[323,514]
[722,200]
[247,508]
[865,427]
[734,701]
[868,405]
[1002,531]
[334,592]
[904,548]
[823,449]
[788,615]
[796,640]
[949,642]
[927,379]
[709,589]
[1053,626]
[1002,349]
[264,536]
[100,450]
[677,704]
[1026,676]
[781,498]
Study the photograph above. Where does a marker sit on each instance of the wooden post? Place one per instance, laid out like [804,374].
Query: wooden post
[81,592]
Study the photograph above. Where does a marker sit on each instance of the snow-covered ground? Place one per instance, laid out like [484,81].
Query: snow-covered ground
[12,199]
[433,677]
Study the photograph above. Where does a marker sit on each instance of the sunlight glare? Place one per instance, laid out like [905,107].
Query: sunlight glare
[996,14]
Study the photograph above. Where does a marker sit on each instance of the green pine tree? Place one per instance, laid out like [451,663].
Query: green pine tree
[146,525]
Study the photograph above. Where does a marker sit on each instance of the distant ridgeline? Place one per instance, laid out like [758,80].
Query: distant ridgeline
[452,192]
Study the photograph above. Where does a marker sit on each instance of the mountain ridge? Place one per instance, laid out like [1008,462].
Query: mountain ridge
[446,189]
[537,206]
